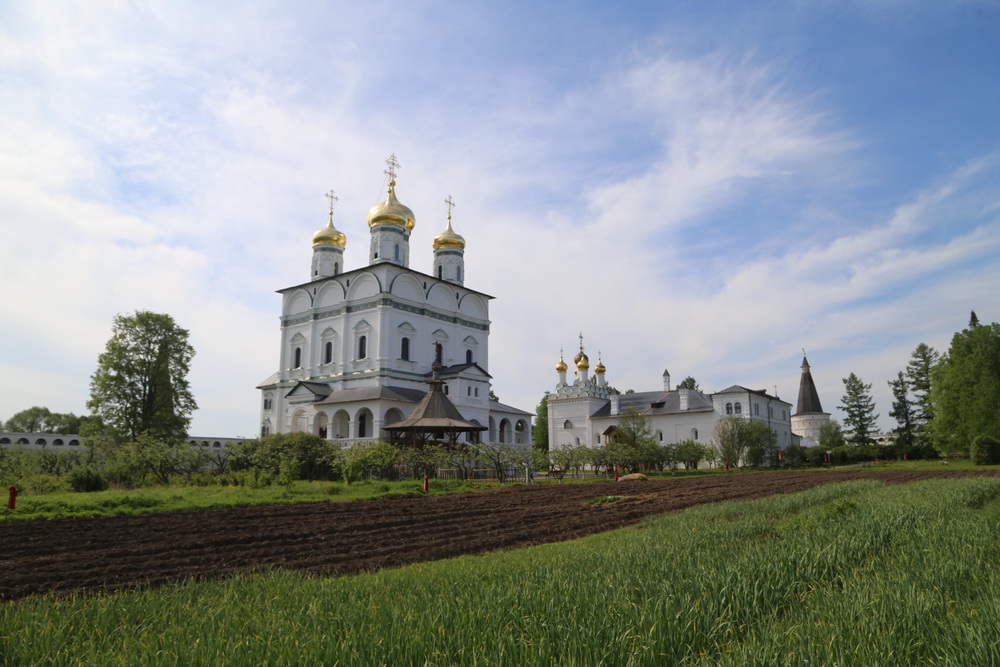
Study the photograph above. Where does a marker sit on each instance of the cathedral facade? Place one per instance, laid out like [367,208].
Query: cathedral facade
[357,345]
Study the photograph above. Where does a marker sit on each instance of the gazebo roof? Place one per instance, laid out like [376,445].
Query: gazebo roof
[434,416]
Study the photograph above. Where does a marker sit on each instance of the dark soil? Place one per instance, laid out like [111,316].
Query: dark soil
[91,555]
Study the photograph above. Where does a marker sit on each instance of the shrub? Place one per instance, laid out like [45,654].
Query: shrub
[985,450]
[86,479]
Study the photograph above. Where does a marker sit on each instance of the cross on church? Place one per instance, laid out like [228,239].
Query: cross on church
[451,205]
[393,164]
[581,341]
[333,198]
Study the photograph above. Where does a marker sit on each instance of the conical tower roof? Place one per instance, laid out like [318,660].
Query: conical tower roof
[808,396]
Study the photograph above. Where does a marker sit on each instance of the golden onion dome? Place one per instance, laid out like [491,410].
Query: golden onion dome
[582,361]
[599,369]
[561,366]
[449,239]
[391,211]
[330,235]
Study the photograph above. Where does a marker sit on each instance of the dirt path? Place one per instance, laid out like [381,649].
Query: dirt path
[121,552]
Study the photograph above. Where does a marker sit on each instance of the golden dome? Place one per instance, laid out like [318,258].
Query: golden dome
[582,361]
[599,368]
[330,235]
[449,239]
[561,366]
[391,211]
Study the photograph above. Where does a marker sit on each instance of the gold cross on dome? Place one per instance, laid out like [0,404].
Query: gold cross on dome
[451,204]
[394,165]
[332,196]
[581,341]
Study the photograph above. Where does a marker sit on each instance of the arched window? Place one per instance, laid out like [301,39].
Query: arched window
[362,347]
[362,425]
[440,272]
[395,253]
[729,408]
[468,356]
[738,408]
[458,273]
[328,352]
[298,358]
[336,268]
[568,424]
[404,349]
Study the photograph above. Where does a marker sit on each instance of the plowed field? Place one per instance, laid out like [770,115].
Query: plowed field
[112,553]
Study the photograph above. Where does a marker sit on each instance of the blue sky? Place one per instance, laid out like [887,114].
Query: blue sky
[706,187]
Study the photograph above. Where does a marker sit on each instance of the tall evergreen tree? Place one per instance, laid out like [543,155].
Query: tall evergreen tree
[859,412]
[903,412]
[973,320]
[540,429]
[965,394]
[140,385]
[918,375]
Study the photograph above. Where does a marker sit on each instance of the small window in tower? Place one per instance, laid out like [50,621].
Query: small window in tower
[458,273]
[404,349]
[756,408]
[328,352]
[440,272]
[395,253]
[362,347]
[468,356]
[477,392]
[446,390]
[336,268]
[468,391]
[738,408]
[298,358]
[567,424]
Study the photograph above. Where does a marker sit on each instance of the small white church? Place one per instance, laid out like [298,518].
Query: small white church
[357,345]
[584,410]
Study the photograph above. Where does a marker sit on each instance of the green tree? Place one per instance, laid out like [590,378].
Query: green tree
[140,385]
[903,412]
[41,420]
[494,397]
[859,412]
[965,389]
[689,383]
[918,375]
[633,443]
[831,435]
[690,453]
[540,429]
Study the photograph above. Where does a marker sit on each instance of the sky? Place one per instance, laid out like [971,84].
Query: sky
[703,187]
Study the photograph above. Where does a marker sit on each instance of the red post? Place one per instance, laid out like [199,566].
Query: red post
[727,465]
[781,455]
[425,483]
[616,474]
[904,456]
[12,501]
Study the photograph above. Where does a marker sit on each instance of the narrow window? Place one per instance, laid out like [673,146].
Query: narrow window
[477,392]
[328,352]
[404,349]
[756,408]
[395,252]
[468,356]
[440,272]
[336,268]
[298,358]
[468,391]
[729,408]
[446,390]
[694,434]
[738,408]
[362,425]
[362,347]
[458,273]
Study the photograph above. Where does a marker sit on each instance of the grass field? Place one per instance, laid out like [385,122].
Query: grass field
[180,498]
[853,574]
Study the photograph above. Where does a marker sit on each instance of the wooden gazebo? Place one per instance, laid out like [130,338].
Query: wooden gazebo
[434,420]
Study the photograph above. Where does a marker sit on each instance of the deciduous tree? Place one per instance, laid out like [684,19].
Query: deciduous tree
[965,389]
[140,385]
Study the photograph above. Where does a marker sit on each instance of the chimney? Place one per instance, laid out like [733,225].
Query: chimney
[683,394]
[615,405]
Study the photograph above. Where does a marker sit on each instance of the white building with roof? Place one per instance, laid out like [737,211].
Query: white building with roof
[583,410]
[357,345]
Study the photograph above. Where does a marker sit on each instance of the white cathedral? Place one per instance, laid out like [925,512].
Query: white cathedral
[357,346]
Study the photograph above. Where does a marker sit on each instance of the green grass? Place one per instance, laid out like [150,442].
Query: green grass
[852,573]
[180,498]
